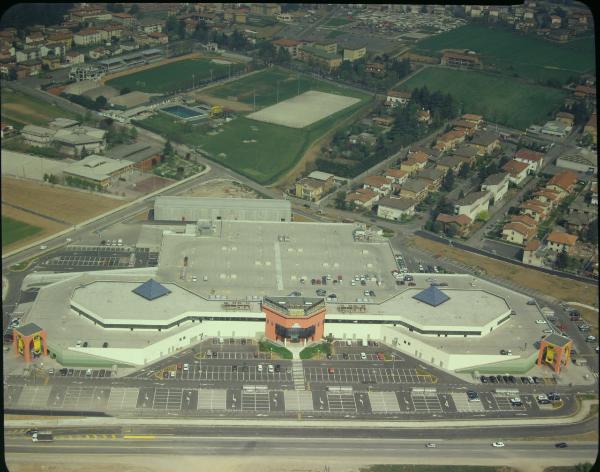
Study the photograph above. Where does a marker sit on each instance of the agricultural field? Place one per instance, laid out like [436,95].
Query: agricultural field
[15,230]
[499,99]
[269,85]
[175,76]
[527,56]
[19,109]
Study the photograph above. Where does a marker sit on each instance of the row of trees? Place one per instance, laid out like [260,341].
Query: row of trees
[357,73]
[80,183]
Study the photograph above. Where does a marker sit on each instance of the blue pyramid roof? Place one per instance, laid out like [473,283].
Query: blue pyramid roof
[151,290]
[432,296]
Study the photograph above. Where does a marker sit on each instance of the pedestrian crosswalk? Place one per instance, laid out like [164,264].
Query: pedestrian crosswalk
[298,374]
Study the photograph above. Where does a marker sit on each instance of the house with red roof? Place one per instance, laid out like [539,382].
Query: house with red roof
[533,159]
[517,171]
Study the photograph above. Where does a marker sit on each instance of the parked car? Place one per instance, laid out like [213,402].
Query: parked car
[331,370]
[540,321]
[363,356]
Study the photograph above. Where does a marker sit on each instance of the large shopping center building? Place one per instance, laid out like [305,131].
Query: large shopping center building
[288,282]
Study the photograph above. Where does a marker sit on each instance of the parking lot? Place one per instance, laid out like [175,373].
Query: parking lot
[100,257]
[368,375]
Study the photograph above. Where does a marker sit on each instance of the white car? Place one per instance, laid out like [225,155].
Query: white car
[431,445]
[186,367]
[363,356]
[271,369]
[42,247]
[498,444]
[260,367]
[540,321]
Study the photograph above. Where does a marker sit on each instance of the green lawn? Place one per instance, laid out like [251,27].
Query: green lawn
[15,230]
[266,346]
[337,22]
[526,55]
[315,350]
[174,76]
[265,85]
[435,468]
[498,99]
[19,109]
[277,148]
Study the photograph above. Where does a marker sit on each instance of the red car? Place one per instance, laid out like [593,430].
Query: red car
[331,370]
[380,356]
[180,366]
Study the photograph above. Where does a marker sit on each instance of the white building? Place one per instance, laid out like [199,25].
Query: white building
[76,139]
[497,185]
[37,135]
[472,204]
[580,160]
[396,208]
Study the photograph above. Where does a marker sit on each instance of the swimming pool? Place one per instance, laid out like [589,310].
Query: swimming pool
[182,111]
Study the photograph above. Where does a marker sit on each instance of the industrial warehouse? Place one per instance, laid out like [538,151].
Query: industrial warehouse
[288,282]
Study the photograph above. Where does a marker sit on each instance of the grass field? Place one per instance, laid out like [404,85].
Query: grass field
[528,56]
[174,76]
[337,22]
[19,109]
[498,99]
[264,84]
[276,148]
[15,230]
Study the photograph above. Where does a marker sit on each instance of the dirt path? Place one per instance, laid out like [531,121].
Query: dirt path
[232,105]
[133,70]
[550,285]
[311,154]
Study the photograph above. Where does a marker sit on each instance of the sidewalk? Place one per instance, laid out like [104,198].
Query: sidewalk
[581,414]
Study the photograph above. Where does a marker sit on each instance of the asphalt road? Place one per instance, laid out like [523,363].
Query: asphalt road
[373,449]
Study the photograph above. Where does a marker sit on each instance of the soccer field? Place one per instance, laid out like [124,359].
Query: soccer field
[175,76]
[15,230]
[275,84]
[513,53]
[258,150]
[498,99]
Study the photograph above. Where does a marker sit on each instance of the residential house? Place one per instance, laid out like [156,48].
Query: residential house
[312,189]
[37,135]
[575,223]
[567,118]
[555,21]
[395,98]
[424,116]
[520,230]
[319,56]
[461,58]
[485,142]
[290,45]
[536,209]
[417,189]
[467,153]
[594,192]
[450,139]
[396,208]
[396,176]
[447,163]
[585,92]
[467,125]
[472,204]
[159,38]
[378,183]
[496,185]
[548,196]
[556,128]
[517,171]
[73,57]
[591,128]
[533,253]
[87,37]
[557,241]
[375,67]
[415,162]
[563,182]
[362,197]
[461,223]
[385,121]
[265,9]
[533,159]
[113,30]
[433,175]
[34,39]
[352,54]
[475,119]
[124,18]
[151,25]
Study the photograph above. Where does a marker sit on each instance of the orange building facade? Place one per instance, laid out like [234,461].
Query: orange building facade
[555,351]
[29,340]
[294,319]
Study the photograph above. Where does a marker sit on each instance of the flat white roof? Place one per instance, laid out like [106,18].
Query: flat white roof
[96,167]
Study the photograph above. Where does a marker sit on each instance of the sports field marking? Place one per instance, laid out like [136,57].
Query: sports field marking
[304,110]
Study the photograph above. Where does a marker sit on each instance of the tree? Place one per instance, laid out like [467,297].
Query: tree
[587,140]
[461,195]
[562,259]
[448,181]
[171,24]
[168,150]
[464,170]
[450,230]
[267,52]
[483,216]
[591,234]
[340,200]
[101,102]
